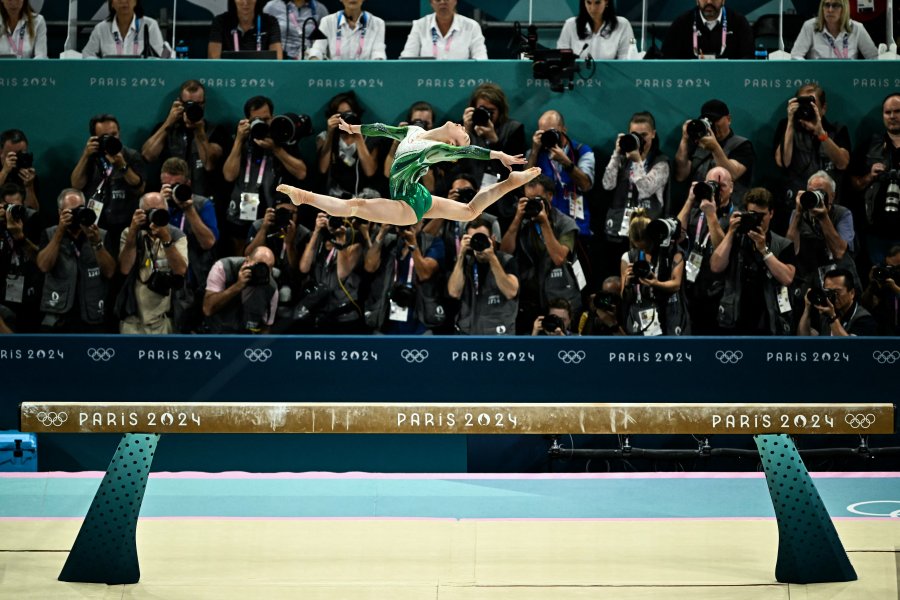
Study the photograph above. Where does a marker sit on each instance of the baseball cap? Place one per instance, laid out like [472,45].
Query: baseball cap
[714,110]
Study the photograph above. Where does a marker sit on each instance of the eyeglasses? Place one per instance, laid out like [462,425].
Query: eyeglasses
[832,5]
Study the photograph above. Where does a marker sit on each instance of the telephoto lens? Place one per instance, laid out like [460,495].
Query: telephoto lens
[259,274]
[812,199]
[631,142]
[16,212]
[641,269]
[550,139]
[109,145]
[182,192]
[259,130]
[479,242]
[698,128]
[81,215]
[533,207]
[551,323]
[805,110]
[707,190]
[481,116]
[465,194]
[158,217]
[193,111]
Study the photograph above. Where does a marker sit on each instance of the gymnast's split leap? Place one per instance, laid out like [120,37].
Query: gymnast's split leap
[410,201]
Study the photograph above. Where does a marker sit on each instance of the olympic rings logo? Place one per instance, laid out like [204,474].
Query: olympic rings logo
[414,355]
[854,508]
[729,357]
[886,357]
[101,354]
[571,357]
[257,354]
[52,419]
[860,421]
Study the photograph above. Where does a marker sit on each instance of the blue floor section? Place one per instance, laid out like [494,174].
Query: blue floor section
[447,498]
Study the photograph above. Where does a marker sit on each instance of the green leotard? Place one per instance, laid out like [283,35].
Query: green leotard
[412,159]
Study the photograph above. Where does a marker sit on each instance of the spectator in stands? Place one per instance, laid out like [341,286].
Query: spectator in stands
[488,295]
[710,142]
[154,257]
[351,34]
[256,165]
[759,269]
[709,31]
[13,145]
[877,173]
[833,35]
[77,268]
[241,296]
[597,31]
[348,160]
[196,141]
[420,114]
[125,32]
[603,315]
[882,296]
[638,177]
[557,321]
[542,240]
[292,18]
[26,31]
[445,35]
[111,176]
[837,313]
[20,279]
[244,28]
[652,270]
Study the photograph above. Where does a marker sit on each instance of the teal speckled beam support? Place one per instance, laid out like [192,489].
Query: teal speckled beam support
[105,550]
[809,549]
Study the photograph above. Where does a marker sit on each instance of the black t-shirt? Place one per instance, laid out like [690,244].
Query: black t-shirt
[754,317]
[224,27]
[120,199]
[808,155]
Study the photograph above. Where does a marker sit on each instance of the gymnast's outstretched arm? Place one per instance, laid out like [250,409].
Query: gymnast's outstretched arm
[375,130]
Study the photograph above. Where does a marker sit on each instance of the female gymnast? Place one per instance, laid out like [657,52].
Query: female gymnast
[410,201]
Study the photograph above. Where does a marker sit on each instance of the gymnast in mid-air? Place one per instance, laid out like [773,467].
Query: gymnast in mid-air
[410,201]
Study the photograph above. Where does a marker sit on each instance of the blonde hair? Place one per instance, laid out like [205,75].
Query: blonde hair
[637,227]
[845,15]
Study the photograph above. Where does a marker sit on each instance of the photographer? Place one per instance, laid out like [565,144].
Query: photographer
[557,320]
[486,284]
[154,259]
[710,142]
[17,165]
[604,313]
[421,114]
[833,309]
[759,269]
[241,296]
[20,279]
[186,134]
[882,296]
[407,289]
[256,165]
[542,240]
[77,268]
[349,161]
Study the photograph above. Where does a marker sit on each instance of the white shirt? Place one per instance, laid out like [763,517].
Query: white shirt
[359,43]
[463,40]
[21,44]
[604,44]
[106,33]
[819,44]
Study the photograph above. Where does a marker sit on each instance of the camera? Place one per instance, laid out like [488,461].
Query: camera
[663,232]
[551,323]
[283,216]
[481,116]
[631,142]
[419,123]
[892,195]
[605,301]
[16,212]
[812,199]
[158,217]
[641,269]
[163,282]
[556,66]
[259,274]
[24,160]
[109,145]
[182,192]
[335,223]
[259,130]
[465,194]
[403,294]
[821,297]
[880,273]
[698,128]
[533,207]
[707,190]
[550,139]
[750,221]
[479,242]
[288,128]
[351,118]
[805,110]
[82,215]
[193,111]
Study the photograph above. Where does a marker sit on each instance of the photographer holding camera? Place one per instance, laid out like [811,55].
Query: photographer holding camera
[241,296]
[758,266]
[486,283]
[186,134]
[833,309]
[17,164]
[710,142]
[882,296]
[77,268]
[20,279]
[603,315]
[111,176]
[542,240]
[256,165]
[154,259]
[348,160]
[557,321]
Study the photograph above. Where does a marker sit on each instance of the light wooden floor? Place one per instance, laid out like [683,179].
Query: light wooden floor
[350,559]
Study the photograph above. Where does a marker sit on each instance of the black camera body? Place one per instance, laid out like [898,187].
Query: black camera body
[821,297]
[193,111]
[481,116]
[551,323]
[605,301]
[351,118]
[82,215]
[259,274]
[479,242]
[16,212]
[259,130]
[750,221]
[158,217]
[465,194]
[630,142]
[550,139]
[641,269]
[812,199]
[289,128]
[24,160]
[892,194]
[880,273]
[109,145]
[283,217]
[805,110]
[403,294]
[662,233]
[699,128]
[708,190]
[163,282]
[556,66]
[533,207]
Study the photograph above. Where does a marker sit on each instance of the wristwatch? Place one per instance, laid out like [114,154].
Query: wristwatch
[168,244]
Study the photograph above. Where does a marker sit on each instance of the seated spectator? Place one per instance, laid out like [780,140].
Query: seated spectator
[445,35]
[20,279]
[836,312]
[557,321]
[349,161]
[709,31]
[125,32]
[597,31]
[26,31]
[241,296]
[14,146]
[882,296]
[603,315]
[833,35]
[292,18]
[244,27]
[351,34]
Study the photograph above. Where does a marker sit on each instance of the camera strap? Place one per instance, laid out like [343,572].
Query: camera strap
[409,272]
[845,51]
[18,51]
[363,22]
[434,41]
[237,39]
[120,43]
[259,176]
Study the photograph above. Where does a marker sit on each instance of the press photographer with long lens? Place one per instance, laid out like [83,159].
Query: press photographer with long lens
[486,284]
[348,160]
[20,279]
[833,309]
[882,296]
[758,266]
[154,259]
[256,165]
[17,165]
[241,296]
[77,268]
[603,315]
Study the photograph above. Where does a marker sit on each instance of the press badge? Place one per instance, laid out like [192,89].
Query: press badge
[398,313]
[784,301]
[96,206]
[693,266]
[576,206]
[249,206]
[650,322]
[626,220]
[15,289]
[579,275]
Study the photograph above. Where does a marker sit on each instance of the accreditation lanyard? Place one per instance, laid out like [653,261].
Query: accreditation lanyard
[363,20]
[845,51]
[434,41]
[558,176]
[259,176]
[475,275]
[697,51]
[293,14]
[237,42]
[120,43]
[107,168]
[409,272]
[637,284]
[10,35]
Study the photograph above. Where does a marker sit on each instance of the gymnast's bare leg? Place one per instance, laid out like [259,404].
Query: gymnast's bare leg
[377,210]
[443,208]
